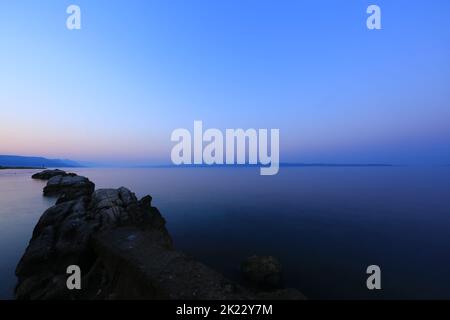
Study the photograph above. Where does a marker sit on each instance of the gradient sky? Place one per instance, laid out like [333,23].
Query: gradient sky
[114,91]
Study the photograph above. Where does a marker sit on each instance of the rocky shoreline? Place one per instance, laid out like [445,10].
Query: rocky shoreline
[124,251]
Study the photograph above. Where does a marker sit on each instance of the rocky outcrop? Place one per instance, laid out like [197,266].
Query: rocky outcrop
[47,174]
[69,187]
[66,233]
[122,247]
[262,272]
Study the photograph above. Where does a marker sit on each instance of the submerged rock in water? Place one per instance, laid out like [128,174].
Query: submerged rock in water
[262,272]
[122,247]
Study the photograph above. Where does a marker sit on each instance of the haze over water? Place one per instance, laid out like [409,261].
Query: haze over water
[326,225]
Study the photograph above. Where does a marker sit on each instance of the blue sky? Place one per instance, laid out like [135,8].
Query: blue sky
[114,90]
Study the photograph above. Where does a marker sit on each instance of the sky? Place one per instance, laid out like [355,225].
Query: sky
[114,91]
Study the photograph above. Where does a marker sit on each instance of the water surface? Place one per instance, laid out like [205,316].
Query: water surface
[326,225]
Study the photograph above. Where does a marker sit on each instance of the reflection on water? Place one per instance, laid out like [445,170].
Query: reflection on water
[326,225]
[21,205]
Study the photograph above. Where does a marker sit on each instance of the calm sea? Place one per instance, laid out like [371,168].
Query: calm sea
[325,224]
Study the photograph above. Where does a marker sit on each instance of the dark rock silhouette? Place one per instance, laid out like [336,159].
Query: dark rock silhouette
[69,187]
[47,174]
[122,247]
[262,272]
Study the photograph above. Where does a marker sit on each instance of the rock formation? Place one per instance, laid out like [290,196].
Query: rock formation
[47,174]
[262,272]
[122,247]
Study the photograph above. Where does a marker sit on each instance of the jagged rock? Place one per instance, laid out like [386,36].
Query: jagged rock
[64,234]
[142,265]
[69,187]
[262,272]
[48,174]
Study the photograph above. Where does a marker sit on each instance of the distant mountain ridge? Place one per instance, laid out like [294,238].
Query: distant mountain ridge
[282,164]
[22,161]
